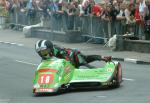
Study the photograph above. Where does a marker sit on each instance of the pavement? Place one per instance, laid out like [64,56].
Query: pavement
[12,37]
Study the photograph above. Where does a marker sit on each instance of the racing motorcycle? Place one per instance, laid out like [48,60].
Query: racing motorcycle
[54,75]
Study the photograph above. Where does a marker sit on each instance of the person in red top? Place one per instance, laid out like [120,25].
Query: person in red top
[138,20]
[96,10]
[137,14]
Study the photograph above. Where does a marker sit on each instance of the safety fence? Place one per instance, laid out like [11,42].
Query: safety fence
[23,18]
[89,25]
[2,22]
[3,17]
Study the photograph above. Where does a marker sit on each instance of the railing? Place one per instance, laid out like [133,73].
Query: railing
[3,17]
[23,18]
[89,25]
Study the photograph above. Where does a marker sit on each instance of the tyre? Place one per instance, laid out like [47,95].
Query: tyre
[118,75]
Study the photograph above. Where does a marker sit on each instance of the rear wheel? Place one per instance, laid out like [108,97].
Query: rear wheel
[119,75]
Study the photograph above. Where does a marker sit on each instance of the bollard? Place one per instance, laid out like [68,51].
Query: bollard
[119,43]
[73,36]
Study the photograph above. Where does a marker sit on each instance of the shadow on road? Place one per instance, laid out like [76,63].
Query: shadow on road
[76,90]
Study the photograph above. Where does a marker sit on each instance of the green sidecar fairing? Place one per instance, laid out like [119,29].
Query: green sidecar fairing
[55,74]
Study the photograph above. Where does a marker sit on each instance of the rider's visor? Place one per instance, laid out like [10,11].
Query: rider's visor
[44,52]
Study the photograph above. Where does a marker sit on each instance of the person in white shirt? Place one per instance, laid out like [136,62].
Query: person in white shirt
[142,7]
[121,20]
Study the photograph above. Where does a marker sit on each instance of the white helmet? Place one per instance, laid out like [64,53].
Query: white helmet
[44,47]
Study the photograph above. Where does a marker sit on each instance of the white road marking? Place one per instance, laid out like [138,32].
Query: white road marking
[25,62]
[12,43]
[2,100]
[20,44]
[101,96]
[127,79]
[130,60]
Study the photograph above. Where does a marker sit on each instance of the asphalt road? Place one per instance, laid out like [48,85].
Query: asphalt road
[18,64]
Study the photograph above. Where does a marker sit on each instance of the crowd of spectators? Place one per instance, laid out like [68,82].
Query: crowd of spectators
[127,13]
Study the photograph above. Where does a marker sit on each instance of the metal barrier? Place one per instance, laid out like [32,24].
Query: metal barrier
[21,19]
[2,22]
[89,25]
[3,17]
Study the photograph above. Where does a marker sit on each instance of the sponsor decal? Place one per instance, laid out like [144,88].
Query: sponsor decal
[87,76]
[45,79]
[67,69]
[47,70]
[45,90]
[107,83]
[109,70]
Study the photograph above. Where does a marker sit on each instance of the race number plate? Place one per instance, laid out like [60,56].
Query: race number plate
[45,79]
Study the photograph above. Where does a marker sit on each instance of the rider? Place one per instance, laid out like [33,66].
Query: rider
[47,49]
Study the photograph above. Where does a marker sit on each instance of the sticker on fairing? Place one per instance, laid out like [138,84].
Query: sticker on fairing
[45,79]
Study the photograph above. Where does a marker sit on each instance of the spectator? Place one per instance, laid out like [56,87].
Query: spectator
[137,14]
[138,21]
[3,13]
[102,5]
[80,8]
[31,12]
[88,7]
[106,14]
[142,6]
[5,4]
[129,19]
[106,17]
[114,12]
[4,8]
[96,10]
[65,15]
[120,19]
[38,5]
[71,14]
[45,6]
[22,5]
[147,20]
[111,12]
[55,15]
[62,13]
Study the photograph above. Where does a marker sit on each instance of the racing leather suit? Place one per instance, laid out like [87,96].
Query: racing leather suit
[74,56]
